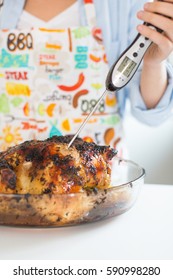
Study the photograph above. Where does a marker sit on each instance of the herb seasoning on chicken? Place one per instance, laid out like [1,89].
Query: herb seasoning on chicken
[49,166]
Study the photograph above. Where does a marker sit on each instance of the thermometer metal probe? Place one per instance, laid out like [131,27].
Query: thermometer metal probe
[122,70]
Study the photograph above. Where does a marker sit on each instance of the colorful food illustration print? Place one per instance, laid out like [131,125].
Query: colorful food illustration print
[50,80]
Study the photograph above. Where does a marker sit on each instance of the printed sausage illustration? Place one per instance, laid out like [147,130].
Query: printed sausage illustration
[75,86]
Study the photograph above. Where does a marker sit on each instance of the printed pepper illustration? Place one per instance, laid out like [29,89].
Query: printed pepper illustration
[26,109]
[105,58]
[97,34]
[66,125]
[109,135]
[80,81]
[95,58]
[42,109]
[111,100]
[88,1]
[50,109]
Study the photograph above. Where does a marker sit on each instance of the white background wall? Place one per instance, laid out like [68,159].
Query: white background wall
[152,148]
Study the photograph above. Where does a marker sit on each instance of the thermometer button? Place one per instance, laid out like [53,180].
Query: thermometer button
[135,54]
[142,45]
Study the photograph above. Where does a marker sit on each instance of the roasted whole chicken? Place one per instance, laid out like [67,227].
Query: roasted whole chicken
[49,166]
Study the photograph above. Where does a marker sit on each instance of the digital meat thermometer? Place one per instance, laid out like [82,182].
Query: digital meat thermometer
[122,70]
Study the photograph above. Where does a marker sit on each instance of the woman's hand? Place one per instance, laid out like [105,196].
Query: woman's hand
[159,14]
[154,79]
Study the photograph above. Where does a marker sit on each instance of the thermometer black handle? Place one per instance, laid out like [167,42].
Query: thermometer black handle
[127,64]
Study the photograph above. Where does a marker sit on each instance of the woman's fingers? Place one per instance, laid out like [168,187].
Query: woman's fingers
[162,22]
[159,14]
[164,43]
[161,7]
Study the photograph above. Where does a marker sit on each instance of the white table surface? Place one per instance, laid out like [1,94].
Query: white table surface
[144,232]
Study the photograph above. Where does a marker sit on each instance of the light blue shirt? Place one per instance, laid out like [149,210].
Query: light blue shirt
[118,21]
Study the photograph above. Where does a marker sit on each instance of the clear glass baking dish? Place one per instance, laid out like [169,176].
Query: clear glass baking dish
[58,210]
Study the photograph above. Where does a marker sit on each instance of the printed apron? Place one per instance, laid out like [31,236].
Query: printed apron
[50,79]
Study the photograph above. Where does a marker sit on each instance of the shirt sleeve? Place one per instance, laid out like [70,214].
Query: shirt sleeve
[164,108]
[11,11]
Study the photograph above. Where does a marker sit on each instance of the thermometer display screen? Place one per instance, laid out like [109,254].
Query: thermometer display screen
[126,67]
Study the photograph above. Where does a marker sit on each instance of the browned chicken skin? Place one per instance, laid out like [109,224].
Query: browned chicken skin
[49,166]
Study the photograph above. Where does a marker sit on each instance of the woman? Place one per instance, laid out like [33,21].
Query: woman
[57,86]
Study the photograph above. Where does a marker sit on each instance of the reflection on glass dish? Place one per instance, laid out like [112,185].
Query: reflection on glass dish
[73,209]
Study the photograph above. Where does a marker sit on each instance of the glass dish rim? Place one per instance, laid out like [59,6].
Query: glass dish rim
[143,172]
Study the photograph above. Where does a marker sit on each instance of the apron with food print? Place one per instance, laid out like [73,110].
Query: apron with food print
[50,79]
